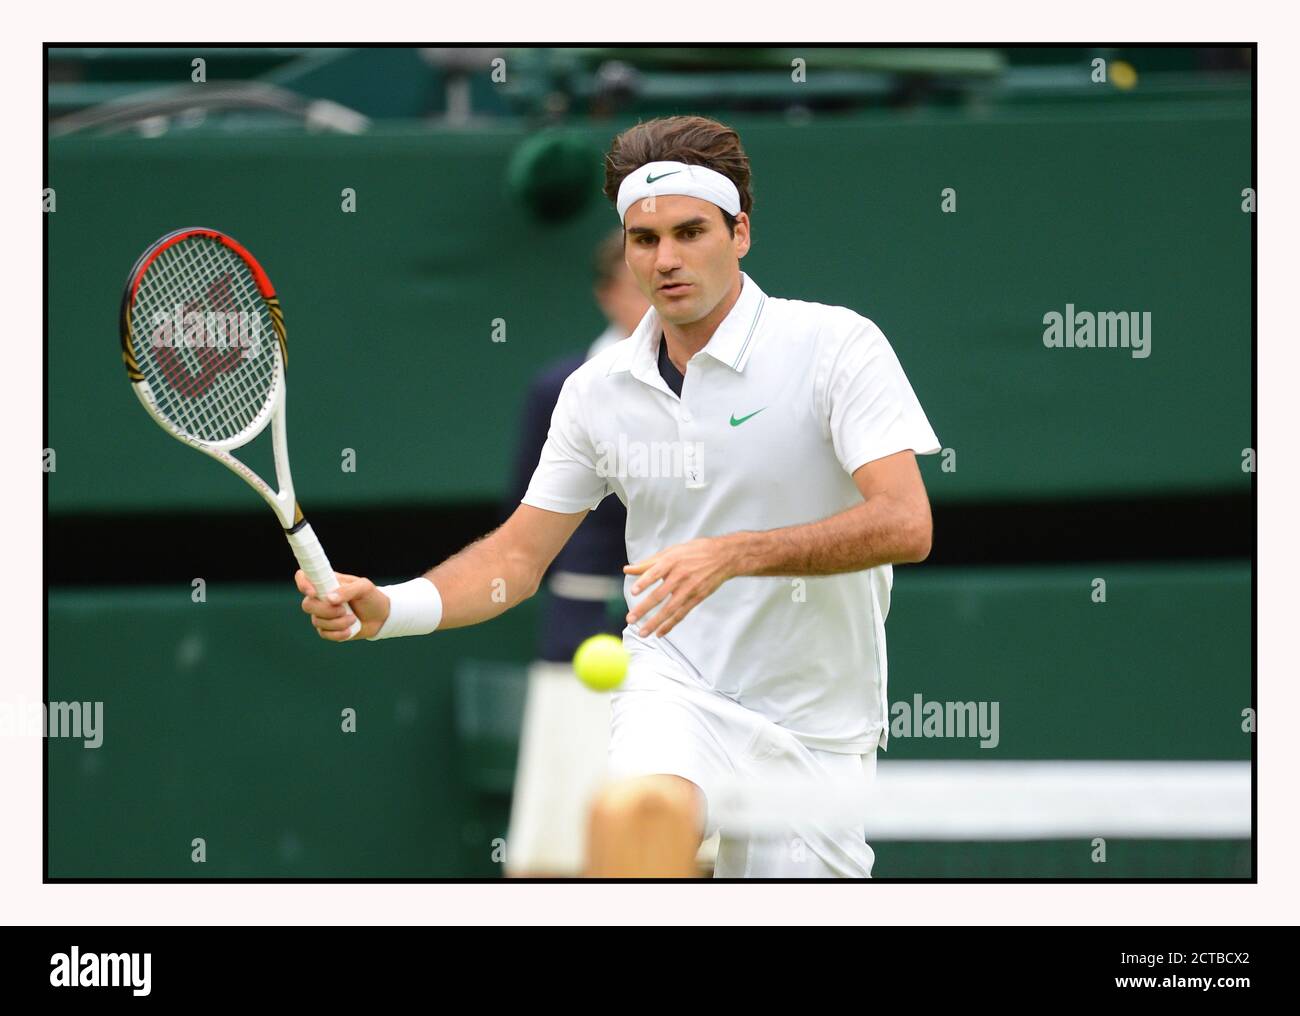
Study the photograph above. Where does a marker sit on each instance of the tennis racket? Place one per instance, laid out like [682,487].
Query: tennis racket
[204,347]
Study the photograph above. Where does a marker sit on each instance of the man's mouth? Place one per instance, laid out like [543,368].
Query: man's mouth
[674,288]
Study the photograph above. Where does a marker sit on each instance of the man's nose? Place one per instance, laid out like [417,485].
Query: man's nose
[667,258]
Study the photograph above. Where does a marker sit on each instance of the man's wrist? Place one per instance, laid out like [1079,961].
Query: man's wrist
[414,608]
[743,553]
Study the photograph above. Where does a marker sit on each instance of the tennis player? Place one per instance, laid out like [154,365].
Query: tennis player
[765,450]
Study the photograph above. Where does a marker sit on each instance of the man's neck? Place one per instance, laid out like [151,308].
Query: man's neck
[684,341]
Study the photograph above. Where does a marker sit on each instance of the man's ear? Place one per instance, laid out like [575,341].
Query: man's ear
[742,235]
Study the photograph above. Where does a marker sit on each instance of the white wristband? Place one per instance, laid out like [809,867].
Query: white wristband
[414,608]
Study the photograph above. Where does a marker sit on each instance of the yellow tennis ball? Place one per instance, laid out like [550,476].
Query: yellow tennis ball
[1123,75]
[601,662]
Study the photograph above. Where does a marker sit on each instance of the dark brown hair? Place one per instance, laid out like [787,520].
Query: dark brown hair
[694,140]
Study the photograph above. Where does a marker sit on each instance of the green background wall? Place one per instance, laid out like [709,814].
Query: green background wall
[390,309]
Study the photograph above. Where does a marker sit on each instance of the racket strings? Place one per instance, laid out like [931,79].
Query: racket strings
[203,337]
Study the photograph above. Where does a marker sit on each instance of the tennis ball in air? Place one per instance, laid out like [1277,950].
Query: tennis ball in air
[601,662]
[1123,75]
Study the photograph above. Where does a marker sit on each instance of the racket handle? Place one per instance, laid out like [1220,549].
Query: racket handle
[311,558]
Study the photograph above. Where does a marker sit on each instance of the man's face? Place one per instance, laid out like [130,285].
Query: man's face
[682,256]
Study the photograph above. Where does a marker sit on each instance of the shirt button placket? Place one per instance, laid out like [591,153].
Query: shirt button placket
[692,463]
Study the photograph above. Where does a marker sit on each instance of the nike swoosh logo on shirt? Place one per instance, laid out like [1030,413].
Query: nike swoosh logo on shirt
[737,423]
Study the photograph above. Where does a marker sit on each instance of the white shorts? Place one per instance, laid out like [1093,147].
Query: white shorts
[666,722]
[562,751]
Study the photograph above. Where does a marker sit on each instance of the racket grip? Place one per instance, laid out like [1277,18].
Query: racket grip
[311,558]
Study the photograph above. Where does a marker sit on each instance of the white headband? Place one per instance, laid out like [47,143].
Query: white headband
[656,178]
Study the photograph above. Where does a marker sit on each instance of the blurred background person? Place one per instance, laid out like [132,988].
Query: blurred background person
[566,725]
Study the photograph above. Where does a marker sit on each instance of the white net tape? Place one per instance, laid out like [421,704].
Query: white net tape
[1005,800]
[203,338]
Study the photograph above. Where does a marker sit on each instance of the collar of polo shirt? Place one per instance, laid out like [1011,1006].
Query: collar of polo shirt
[732,343]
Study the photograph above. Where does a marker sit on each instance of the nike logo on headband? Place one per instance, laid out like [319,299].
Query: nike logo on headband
[652,179]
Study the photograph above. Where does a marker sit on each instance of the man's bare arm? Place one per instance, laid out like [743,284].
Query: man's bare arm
[502,569]
[891,526]
[485,579]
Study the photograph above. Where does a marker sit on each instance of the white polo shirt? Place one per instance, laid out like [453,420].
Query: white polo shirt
[780,408]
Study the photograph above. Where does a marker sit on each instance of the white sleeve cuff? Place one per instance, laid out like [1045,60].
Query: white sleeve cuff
[415,608]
